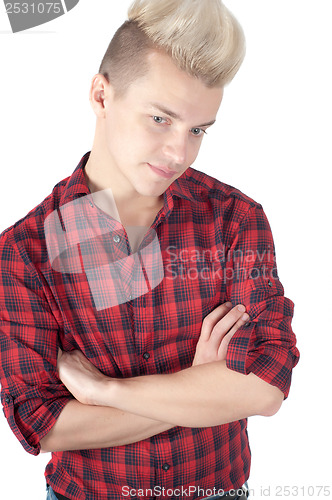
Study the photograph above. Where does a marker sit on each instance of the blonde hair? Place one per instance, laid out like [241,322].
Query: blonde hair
[202,37]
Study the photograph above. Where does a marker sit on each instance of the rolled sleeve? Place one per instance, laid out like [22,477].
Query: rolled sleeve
[31,393]
[266,345]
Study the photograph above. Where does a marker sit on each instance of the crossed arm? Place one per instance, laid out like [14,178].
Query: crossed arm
[113,412]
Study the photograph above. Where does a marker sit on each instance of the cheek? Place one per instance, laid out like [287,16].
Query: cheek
[145,141]
[193,150]
[118,138]
[133,132]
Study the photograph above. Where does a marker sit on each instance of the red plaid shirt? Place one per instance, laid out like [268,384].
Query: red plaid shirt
[57,288]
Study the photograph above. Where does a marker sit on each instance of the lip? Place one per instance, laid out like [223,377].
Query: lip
[163,172]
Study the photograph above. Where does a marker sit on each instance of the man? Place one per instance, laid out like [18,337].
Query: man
[142,319]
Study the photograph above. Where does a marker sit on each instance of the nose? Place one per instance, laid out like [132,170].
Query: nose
[176,149]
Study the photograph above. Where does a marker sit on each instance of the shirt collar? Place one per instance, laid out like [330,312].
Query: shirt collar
[77,186]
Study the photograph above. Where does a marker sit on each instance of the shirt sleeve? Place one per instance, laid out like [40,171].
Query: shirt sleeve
[31,393]
[266,346]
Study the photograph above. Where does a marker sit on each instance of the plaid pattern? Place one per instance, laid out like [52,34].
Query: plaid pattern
[216,245]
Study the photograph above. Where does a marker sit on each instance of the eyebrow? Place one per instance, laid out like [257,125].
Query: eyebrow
[174,115]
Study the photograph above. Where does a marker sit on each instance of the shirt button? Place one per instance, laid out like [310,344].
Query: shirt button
[269,283]
[8,399]
[146,356]
[116,238]
[166,467]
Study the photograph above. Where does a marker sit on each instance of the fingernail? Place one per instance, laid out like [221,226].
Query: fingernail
[241,308]
[228,304]
[245,317]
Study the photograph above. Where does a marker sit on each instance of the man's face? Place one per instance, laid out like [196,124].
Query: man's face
[153,133]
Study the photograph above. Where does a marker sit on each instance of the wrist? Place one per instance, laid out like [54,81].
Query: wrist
[106,392]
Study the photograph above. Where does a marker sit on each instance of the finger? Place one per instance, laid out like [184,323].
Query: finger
[229,320]
[224,326]
[241,322]
[212,319]
[222,350]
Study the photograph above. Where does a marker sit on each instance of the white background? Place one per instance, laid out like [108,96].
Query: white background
[272,140]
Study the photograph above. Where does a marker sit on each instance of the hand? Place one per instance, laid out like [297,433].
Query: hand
[217,330]
[81,377]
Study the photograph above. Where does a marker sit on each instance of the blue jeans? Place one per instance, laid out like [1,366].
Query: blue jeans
[235,497]
[51,495]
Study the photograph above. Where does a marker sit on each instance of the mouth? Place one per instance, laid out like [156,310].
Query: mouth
[163,171]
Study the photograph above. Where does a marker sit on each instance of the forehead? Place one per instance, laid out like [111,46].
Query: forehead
[166,84]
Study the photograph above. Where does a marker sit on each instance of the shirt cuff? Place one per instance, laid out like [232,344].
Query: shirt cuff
[24,422]
[266,345]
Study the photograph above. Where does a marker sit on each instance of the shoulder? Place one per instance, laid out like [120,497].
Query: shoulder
[27,236]
[224,200]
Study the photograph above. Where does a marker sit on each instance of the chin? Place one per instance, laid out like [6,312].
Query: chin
[149,190]
[149,193]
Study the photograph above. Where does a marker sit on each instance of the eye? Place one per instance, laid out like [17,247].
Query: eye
[198,131]
[159,119]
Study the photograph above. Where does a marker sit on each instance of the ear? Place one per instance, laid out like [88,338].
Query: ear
[100,92]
